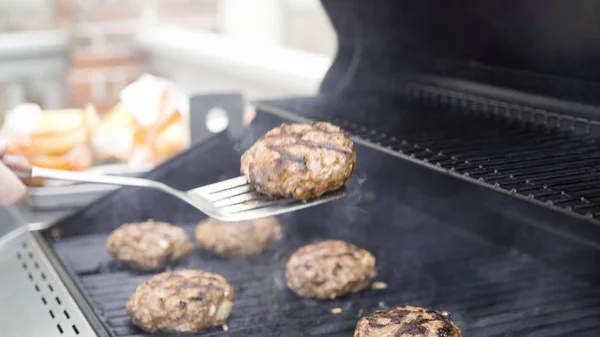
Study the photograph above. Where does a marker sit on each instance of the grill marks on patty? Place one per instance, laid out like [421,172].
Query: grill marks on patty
[291,138]
[181,301]
[407,321]
[149,245]
[302,161]
[197,283]
[329,269]
[285,156]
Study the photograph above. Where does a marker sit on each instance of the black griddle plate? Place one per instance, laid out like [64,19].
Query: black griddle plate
[412,219]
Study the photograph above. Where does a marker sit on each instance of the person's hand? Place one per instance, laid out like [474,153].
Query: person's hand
[12,190]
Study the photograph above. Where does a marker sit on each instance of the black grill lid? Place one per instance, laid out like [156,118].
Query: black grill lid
[549,48]
[504,94]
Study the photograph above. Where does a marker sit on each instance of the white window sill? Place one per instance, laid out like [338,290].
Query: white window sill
[292,71]
[33,43]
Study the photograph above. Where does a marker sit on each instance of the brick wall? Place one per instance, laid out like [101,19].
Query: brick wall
[102,53]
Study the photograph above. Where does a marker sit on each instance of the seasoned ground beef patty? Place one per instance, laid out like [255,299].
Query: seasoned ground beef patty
[149,245]
[302,161]
[181,301]
[238,238]
[329,269]
[407,321]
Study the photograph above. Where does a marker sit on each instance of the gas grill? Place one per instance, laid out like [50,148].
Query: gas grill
[477,187]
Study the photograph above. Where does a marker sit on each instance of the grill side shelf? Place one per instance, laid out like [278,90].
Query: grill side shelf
[547,166]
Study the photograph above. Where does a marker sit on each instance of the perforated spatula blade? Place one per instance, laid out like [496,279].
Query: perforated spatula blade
[236,200]
[229,200]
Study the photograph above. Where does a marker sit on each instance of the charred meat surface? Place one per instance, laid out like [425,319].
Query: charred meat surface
[329,269]
[303,161]
[181,301]
[243,238]
[407,321]
[149,245]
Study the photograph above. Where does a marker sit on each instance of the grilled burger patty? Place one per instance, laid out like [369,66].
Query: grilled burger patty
[329,269]
[238,238]
[302,161]
[149,245]
[181,301]
[407,321]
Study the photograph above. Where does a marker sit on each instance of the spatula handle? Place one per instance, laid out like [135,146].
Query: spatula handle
[84,177]
[26,172]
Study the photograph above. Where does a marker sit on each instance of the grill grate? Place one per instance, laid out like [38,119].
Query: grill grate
[543,160]
[491,294]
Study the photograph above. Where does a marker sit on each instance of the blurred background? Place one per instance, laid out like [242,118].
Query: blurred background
[72,60]
[67,53]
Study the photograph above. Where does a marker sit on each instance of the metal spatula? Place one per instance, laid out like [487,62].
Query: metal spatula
[229,200]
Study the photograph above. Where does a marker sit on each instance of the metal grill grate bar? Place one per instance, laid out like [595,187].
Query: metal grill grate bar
[545,164]
[489,298]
